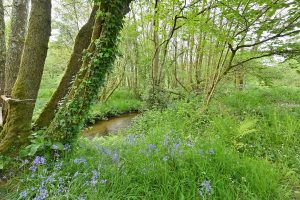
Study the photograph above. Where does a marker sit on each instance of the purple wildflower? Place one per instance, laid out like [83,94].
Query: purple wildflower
[58,166]
[33,168]
[151,148]
[165,158]
[76,174]
[95,176]
[165,140]
[80,160]
[67,147]
[25,162]
[39,160]
[23,194]
[116,158]
[211,151]
[205,188]
[103,181]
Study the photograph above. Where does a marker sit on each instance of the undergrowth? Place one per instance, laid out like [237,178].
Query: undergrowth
[244,146]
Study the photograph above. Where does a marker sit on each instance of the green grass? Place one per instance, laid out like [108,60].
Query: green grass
[154,166]
[245,146]
[120,102]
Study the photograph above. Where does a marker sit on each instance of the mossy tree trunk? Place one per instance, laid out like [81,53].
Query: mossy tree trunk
[18,126]
[82,42]
[18,28]
[69,120]
[2,48]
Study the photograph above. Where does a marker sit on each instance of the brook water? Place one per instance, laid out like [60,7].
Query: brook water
[111,126]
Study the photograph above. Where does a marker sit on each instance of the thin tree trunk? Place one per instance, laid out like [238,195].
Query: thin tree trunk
[2,48]
[82,42]
[156,53]
[16,42]
[25,90]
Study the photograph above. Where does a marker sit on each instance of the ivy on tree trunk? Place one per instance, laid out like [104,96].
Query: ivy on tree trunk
[70,118]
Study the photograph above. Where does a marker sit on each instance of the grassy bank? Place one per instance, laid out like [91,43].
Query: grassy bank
[244,147]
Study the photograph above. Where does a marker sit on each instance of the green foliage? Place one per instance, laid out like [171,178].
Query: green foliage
[40,145]
[120,102]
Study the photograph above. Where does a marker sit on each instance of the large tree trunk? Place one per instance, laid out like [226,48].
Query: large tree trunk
[82,42]
[25,90]
[69,120]
[2,52]
[16,41]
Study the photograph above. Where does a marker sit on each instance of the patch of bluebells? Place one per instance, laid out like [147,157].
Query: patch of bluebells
[39,160]
[33,168]
[58,166]
[115,158]
[95,177]
[205,188]
[80,160]
[151,149]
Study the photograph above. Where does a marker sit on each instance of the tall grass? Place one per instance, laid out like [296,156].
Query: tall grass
[244,147]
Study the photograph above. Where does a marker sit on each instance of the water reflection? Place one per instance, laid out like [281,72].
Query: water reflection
[110,126]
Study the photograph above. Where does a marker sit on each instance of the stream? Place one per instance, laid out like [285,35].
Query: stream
[111,126]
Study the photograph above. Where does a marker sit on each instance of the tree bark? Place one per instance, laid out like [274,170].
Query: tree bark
[82,42]
[24,93]
[16,41]
[2,48]
[69,120]
[156,50]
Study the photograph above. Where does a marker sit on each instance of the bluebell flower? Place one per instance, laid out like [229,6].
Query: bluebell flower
[151,148]
[116,158]
[76,174]
[165,143]
[176,146]
[67,147]
[58,166]
[80,160]
[165,158]
[43,193]
[205,188]
[94,182]
[211,151]
[54,146]
[25,162]
[33,168]
[95,176]
[39,160]
[131,139]
[23,194]
[103,181]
